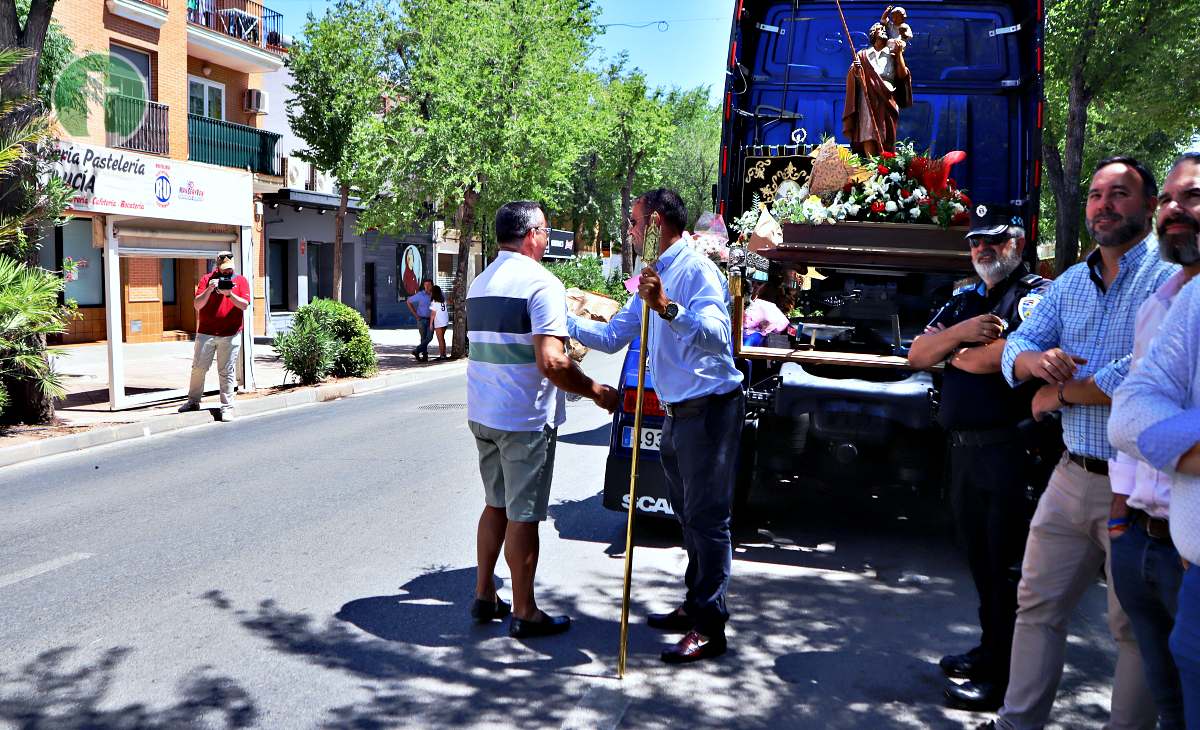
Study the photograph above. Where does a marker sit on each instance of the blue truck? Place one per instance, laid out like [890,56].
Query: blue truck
[845,407]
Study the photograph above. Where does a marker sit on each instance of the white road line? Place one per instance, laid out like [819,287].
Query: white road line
[40,568]
[601,708]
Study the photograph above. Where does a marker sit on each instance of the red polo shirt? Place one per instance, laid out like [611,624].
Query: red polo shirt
[219,317]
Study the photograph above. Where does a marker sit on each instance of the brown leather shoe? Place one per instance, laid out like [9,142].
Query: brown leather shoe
[695,646]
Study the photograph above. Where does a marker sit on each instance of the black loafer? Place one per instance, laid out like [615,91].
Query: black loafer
[674,621]
[547,625]
[975,696]
[484,611]
[962,666]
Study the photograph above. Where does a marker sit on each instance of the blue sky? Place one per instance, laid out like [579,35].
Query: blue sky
[689,52]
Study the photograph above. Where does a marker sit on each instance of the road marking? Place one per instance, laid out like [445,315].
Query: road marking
[600,709]
[40,568]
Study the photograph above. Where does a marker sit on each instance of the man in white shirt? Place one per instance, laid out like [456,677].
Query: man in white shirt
[517,325]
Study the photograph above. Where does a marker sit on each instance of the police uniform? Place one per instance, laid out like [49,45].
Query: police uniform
[990,467]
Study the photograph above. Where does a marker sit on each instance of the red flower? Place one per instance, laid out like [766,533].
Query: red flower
[888,155]
[960,218]
[878,207]
[882,169]
[904,193]
[926,201]
[847,188]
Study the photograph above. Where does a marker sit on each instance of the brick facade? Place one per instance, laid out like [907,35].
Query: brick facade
[94,28]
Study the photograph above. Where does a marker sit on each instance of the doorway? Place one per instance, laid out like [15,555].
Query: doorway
[370,293]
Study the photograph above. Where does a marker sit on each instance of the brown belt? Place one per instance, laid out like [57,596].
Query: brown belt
[1087,463]
[1156,528]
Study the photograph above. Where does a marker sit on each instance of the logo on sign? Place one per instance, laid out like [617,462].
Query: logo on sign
[190,191]
[162,190]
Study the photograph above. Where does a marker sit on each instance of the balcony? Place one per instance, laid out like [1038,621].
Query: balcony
[136,124]
[239,34]
[152,13]
[232,145]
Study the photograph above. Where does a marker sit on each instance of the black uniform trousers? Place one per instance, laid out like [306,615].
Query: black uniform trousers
[699,457]
[992,513]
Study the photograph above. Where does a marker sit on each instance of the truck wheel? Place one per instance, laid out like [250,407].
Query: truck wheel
[746,469]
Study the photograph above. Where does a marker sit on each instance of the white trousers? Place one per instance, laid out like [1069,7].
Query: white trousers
[226,350]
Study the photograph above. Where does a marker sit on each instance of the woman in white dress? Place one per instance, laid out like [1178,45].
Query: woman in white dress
[441,319]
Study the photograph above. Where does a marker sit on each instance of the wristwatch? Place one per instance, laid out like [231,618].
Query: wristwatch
[670,312]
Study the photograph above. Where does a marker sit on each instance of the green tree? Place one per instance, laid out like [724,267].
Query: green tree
[492,107]
[340,72]
[693,150]
[1117,80]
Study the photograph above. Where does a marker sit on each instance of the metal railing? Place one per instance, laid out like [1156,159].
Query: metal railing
[136,124]
[245,20]
[233,145]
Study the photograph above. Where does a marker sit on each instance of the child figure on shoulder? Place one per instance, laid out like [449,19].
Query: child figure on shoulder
[895,21]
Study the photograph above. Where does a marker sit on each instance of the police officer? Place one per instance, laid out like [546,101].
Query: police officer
[990,466]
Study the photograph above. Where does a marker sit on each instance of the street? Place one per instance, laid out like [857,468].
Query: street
[314,567]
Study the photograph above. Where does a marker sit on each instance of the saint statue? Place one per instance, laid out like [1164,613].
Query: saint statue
[878,86]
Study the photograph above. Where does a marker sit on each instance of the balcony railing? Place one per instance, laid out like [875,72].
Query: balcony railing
[244,20]
[233,145]
[136,124]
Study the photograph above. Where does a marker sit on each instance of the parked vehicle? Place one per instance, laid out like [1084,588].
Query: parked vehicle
[839,402]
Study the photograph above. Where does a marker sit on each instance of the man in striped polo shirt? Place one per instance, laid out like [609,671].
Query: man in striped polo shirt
[516,375]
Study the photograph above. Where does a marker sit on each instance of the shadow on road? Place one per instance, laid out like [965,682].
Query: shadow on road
[55,691]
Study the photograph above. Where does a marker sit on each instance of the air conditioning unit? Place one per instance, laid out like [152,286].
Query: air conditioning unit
[295,173]
[256,101]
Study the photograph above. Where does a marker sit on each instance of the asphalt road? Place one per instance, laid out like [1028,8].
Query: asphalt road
[313,568]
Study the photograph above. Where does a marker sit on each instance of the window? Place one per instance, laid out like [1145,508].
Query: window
[168,280]
[75,241]
[206,98]
[314,270]
[131,78]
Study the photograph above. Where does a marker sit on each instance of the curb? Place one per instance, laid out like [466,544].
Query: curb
[174,421]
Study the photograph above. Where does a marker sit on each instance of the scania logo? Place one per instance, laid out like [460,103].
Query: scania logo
[162,189]
[649,504]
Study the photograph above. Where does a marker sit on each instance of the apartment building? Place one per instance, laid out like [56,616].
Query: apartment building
[172,165]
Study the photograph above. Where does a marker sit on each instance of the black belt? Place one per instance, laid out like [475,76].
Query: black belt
[1087,463]
[1157,529]
[987,437]
[696,406]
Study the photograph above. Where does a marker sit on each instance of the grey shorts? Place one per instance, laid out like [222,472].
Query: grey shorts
[517,467]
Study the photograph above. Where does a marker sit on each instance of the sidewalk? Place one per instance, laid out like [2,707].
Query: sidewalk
[167,366]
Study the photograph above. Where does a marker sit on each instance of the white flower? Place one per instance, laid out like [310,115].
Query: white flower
[920,192]
[915,212]
[891,206]
[894,177]
[852,209]
[957,207]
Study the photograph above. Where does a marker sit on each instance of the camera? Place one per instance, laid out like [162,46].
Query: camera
[224,279]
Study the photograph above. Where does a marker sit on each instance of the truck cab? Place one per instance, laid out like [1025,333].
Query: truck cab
[838,401]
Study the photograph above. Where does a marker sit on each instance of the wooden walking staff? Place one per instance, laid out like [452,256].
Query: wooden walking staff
[862,79]
[649,256]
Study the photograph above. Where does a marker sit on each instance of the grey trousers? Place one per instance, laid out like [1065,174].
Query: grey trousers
[226,350]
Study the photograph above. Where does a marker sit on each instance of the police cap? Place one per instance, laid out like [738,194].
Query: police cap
[991,219]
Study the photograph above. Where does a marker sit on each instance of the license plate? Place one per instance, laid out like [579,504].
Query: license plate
[651,438]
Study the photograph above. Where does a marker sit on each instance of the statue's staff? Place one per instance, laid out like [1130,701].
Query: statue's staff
[862,79]
[649,256]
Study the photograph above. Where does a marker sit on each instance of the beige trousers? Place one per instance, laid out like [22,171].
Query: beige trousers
[1068,542]
[226,350]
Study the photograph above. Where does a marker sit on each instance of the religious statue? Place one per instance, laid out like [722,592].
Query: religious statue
[899,32]
[878,86]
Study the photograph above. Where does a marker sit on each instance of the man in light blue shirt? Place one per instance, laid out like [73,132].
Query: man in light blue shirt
[1079,342]
[690,356]
[418,305]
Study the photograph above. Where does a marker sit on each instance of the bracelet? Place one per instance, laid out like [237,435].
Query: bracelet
[1118,522]
[1061,400]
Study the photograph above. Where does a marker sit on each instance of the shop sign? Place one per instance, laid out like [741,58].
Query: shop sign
[116,181]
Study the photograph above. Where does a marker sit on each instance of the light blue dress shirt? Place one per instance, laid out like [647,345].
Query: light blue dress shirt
[690,356]
[1080,316]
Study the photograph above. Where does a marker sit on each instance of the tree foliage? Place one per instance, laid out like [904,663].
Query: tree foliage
[689,164]
[340,70]
[493,108]
[1118,74]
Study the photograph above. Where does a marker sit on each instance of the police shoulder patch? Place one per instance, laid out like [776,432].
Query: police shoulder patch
[1026,304]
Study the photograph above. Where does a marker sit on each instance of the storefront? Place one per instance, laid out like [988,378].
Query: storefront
[144,231]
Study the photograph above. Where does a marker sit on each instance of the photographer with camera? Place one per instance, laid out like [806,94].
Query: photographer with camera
[221,297]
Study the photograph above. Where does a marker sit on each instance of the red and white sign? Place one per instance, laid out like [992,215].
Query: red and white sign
[124,183]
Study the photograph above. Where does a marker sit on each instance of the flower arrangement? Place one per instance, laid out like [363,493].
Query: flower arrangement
[896,187]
